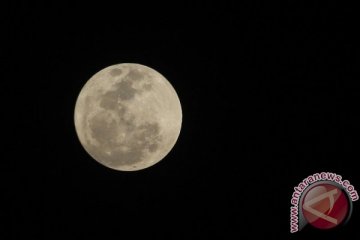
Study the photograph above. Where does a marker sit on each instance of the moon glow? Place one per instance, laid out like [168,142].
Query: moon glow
[128,117]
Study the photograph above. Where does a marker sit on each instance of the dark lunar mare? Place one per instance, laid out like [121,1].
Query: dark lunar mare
[143,137]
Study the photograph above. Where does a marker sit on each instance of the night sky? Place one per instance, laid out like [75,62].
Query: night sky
[269,96]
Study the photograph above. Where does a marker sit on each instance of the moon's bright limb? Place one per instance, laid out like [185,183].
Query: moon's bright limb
[128,117]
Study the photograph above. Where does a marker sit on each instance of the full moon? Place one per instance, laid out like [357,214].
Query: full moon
[128,117]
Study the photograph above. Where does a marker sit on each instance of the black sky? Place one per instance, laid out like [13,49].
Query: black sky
[269,95]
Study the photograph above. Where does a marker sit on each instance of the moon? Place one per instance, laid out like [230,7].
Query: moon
[128,117]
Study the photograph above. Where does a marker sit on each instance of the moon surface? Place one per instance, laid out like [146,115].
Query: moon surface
[128,117]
